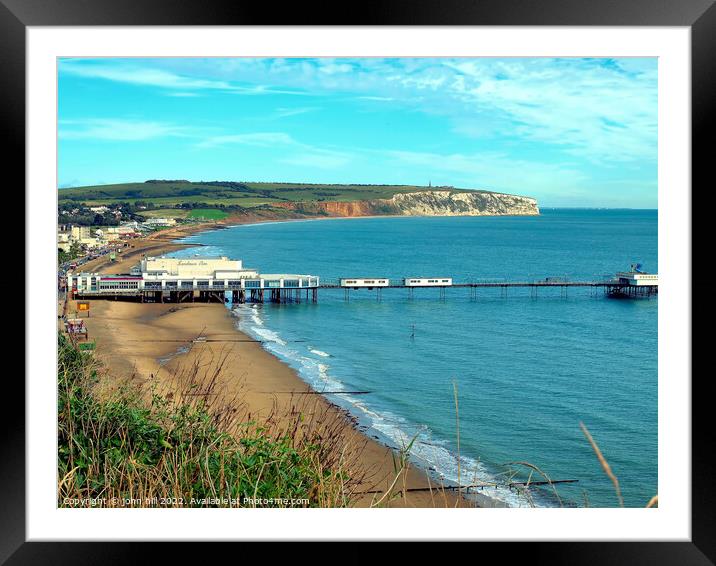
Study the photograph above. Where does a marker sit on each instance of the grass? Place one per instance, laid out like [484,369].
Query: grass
[178,213]
[130,447]
[246,198]
[208,214]
[169,193]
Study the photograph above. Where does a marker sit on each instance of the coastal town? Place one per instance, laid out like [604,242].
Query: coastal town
[101,237]
[78,244]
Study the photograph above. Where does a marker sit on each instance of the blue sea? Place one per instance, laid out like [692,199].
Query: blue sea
[526,369]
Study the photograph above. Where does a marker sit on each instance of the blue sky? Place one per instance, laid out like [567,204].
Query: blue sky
[570,132]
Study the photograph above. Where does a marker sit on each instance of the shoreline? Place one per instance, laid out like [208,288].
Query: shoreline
[167,241]
[139,343]
[150,341]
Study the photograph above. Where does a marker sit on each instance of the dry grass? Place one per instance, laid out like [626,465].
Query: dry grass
[185,443]
[653,502]
[605,465]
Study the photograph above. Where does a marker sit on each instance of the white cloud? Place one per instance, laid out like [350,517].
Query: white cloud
[293,151]
[117,129]
[286,112]
[334,68]
[603,110]
[157,77]
[552,124]
[260,139]
[377,98]
[590,109]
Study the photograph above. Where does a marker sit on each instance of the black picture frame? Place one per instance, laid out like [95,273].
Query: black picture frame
[699,15]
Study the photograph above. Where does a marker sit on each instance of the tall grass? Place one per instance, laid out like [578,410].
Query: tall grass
[184,447]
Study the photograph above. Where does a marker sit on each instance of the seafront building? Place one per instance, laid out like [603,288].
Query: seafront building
[180,270]
[160,279]
[90,238]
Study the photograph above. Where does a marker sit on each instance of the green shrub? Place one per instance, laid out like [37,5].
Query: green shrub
[123,451]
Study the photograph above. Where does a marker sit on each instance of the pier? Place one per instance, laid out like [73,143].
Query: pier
[626,284]
[220,280]
[613,288]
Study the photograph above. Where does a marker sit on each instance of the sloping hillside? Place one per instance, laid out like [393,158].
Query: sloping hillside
[280,200]
[170,193]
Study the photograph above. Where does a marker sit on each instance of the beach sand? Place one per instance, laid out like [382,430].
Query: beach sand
[140,342]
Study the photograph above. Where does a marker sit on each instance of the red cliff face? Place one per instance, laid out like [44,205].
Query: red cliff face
[424,203]
[343,209]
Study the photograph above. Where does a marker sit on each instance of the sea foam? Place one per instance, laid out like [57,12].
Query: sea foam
[393,430]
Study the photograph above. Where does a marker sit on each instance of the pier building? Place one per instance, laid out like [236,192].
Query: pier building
[168,269]
[638,279]
[427,281]
[368,282]
[162,279]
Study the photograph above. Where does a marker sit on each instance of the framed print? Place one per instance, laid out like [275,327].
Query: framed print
[424,275]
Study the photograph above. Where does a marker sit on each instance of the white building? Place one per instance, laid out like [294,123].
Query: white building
[369,282]
[169,268]
[428,281]
[78,233]
[638,279]
[81,235]
[63,241]
[188,274]
[160,222]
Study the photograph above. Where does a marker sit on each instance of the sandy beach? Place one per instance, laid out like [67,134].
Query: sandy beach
[143,342]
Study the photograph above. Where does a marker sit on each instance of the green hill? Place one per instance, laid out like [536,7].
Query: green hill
[168,193]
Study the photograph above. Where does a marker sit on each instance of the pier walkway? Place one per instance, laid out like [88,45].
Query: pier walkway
[221,292]
[221,280]
[612,288]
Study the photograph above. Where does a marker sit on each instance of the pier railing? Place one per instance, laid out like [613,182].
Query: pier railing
[222,292]
[483,282]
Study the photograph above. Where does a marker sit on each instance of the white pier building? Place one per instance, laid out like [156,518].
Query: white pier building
[180,279]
